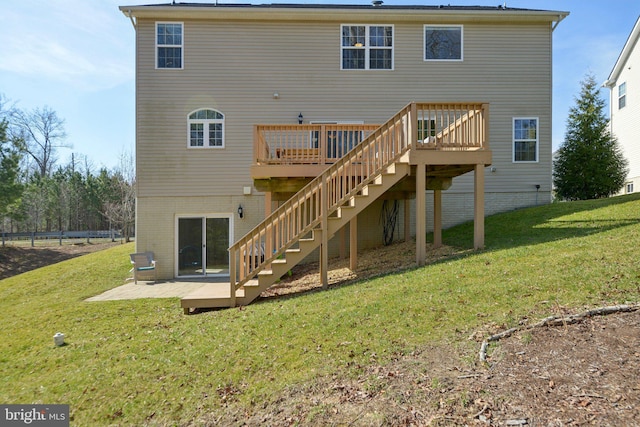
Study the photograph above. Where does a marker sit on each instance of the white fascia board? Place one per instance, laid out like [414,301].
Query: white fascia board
[624,56]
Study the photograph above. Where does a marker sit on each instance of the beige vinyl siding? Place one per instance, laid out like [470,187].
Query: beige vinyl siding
[156,232]
[235,67]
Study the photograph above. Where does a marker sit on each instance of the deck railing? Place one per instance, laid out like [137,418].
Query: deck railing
[457,126]
[452,126]
[307,144]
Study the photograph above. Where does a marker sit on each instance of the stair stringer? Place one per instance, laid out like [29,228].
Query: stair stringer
[292,256]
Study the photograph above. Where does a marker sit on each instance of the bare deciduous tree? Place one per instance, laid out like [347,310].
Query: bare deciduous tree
[43,132]
[121,209]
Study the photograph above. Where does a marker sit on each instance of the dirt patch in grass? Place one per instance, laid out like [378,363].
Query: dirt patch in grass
[581,374]
[586,373]
[20,259]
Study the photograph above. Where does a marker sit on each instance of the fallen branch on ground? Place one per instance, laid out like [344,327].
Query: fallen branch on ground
[556,321]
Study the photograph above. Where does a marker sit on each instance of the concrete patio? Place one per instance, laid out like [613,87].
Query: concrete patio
[163,289]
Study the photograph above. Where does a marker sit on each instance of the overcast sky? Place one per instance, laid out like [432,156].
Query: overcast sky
[77,57]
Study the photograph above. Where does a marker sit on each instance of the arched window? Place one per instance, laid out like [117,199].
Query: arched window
[206,129]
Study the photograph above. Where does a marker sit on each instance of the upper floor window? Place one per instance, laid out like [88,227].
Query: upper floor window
[443,42]
[206,129]
[169,52]
[622,95]
[525,139]
[366,47]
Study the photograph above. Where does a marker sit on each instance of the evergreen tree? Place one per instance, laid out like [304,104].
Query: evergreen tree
[589,163]
[10,186]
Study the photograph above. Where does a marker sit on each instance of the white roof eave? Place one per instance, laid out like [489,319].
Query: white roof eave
[331,14]
[624,56]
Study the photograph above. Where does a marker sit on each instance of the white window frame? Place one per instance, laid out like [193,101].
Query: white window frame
[206,135]
[629,187]
[536,140]
[367,48]
[181,45]
[622,95]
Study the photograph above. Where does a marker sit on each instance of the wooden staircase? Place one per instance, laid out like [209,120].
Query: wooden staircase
[309,219]
[304,246]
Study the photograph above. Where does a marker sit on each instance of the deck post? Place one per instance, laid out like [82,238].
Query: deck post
[421,218]
[407,220]
[353,243]
[232,279]
[324,246]
[437,218]
[343,243]
[478,198]
[268,208]
[322,145]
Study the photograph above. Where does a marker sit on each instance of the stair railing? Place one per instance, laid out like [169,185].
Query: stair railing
[302,212]
[457,126]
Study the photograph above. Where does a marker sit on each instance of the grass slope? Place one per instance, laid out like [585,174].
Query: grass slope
[144,362]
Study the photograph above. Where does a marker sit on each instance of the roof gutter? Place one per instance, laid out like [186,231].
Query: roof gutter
[312,13]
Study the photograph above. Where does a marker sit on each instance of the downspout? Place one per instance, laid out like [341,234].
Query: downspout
[133,22]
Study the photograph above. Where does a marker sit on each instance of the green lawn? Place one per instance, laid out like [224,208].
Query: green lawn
[143,361]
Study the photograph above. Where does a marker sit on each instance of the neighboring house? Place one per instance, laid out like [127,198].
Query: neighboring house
[624,104]
[239,106]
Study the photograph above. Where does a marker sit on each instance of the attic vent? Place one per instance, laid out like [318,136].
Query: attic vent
[377,3]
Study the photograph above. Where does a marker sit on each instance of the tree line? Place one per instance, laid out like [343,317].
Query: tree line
[39,193]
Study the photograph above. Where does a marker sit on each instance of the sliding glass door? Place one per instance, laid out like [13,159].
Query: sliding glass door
[203,244]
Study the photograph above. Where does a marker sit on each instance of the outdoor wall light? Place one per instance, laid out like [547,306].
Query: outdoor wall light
[300,118]
[276,95]
[240,212]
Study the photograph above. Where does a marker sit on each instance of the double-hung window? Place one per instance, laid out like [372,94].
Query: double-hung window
[443,43]
[206,129]
[525,139]
[366,47]
[169,45]
[622,95]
